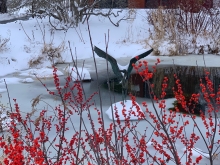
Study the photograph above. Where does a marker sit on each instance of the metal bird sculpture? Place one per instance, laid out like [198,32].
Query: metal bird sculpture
[122,72]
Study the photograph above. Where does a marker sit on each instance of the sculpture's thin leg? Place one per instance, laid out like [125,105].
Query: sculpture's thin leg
[124,86]
[124,94]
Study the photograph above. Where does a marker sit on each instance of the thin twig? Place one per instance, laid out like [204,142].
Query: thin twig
[9,99]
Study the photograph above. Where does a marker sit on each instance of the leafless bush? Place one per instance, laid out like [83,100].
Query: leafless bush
[48,52]
[36,61]
[185,28]
[3,6]
[53,53]
[15,4]
[164,24]
[65,14]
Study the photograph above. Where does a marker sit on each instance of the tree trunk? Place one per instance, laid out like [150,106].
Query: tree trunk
[3,6]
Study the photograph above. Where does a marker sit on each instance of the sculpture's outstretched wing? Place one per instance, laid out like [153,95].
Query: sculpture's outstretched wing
[135,59]
[110,59]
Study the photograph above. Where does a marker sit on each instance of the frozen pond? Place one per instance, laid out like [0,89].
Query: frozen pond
[24,93]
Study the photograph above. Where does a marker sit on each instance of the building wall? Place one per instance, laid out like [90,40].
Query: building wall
[156,3]
[113,4]
[151,4]
[136,3]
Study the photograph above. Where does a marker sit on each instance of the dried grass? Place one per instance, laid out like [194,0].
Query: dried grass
[48,52]
[52,51]
[37,120]
[156,52]
[184,29]
[35,101]
[3,44]
[36,61]
[164,29]
[157,20]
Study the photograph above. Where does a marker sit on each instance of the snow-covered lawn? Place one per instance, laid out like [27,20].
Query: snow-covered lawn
[30,42]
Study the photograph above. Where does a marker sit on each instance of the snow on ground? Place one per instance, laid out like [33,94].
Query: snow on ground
[79,74]
[40,73]
[166,48]
[27,80]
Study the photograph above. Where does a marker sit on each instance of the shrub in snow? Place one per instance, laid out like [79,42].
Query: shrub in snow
[5,120]
[53,53]
[49,56]
[187,30]
[127,110]
[64,14]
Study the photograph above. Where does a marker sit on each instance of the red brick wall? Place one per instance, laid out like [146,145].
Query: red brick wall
[157,3]
[174,3]
[136,3]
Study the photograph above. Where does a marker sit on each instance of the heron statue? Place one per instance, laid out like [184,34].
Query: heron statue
[122,72]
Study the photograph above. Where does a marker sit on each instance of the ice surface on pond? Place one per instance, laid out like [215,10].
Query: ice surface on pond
[196,152]
[2,90]
[79,74]
[8,80]
[126,109]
